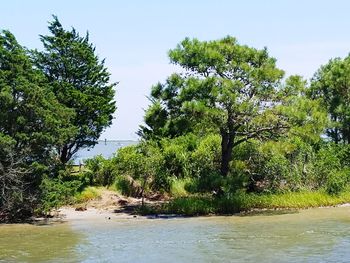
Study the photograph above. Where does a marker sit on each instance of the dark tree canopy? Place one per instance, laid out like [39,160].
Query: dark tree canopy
[30,114]
[331,84]
[80,81]
[32,121]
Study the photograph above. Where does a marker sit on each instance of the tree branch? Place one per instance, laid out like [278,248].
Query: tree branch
[257,133]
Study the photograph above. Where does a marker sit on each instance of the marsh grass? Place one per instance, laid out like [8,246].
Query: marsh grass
[244,202]
[178,187]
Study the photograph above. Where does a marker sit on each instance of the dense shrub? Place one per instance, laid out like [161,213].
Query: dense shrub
[89,193]
[99,171]
[336,182]
[139,169]
[163,165]
[127,186]
[57,192]
[205,158]
[189,164]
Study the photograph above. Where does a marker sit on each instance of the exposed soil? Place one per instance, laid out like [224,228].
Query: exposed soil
[110,200]
[109,205]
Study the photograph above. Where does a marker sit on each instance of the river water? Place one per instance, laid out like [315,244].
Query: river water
[105,148]
[314,235]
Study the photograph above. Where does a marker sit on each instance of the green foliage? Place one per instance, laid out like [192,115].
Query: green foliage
[125,186]
[205,158]
[89,193]
[232,91]
[248,202]
[188,165]
[326,164]
[57,192]
[129,168]
[217,129]
[54,102]
[179,187]
[99,171]
[167,165]
[190,206]
[80,81]
[29,112]
[332,169]
[128,161]
[138,169]
[331,85]
[32,121]
[336,182]
[307,117]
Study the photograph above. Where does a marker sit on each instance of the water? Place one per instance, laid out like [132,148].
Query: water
[104,148]
[44,243]
[314,235]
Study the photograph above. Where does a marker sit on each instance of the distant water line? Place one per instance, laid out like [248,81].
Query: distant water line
[105,148]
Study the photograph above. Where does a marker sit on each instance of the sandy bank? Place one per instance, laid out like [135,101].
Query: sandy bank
[71,214]
[110,205]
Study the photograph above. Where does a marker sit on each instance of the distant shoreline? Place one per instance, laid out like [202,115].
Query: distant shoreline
[105,148]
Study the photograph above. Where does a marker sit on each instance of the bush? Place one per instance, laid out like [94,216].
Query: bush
[211,182]
[127,186]
[141,165]
[89,193]
[179,187]
[100,171]
[205,159]
[327,163]
[57,192]
[189,164]
[336,182]
[190,206]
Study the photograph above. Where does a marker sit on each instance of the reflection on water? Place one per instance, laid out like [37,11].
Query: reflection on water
[315,235]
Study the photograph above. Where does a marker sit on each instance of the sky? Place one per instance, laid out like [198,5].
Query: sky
[135,36]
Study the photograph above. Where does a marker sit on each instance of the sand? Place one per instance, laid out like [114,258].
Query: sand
[110,205]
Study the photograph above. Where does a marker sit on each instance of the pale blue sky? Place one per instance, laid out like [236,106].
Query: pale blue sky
[134,36]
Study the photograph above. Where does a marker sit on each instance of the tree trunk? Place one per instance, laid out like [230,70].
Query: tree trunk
[143,186]
[64,154]
[336,139]
[226,152]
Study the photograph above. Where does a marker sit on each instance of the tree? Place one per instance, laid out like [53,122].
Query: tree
[331,84]
[80,81]
[226,88]
[307,117]
[29,111]
[32,121]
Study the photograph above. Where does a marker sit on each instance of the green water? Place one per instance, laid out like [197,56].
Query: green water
[314,235]
[39,243]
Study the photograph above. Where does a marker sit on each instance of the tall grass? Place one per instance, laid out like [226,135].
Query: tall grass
[190,206]
[88,194]
[204,205]
[178,187]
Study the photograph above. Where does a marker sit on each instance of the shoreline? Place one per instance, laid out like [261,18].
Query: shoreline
[111,205]
[70,214]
